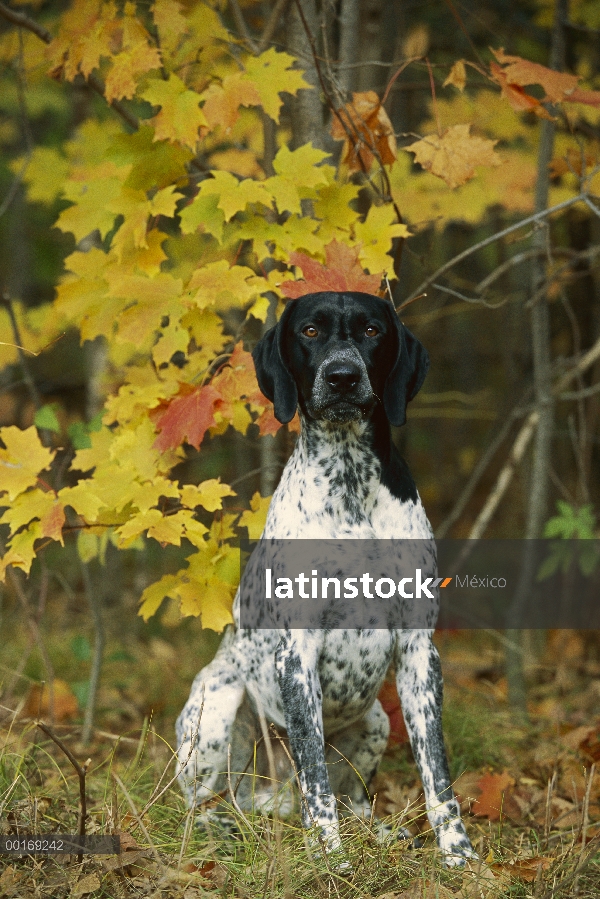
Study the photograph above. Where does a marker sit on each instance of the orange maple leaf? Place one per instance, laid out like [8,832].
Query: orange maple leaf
[490,801]
[454,154]
[558,85]
[341,272]
[52,522]
[223,101]
[237,378]
[518,98]
[366,130]
[188,416]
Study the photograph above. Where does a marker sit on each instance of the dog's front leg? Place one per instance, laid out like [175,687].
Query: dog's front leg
[296,661]
[420,688]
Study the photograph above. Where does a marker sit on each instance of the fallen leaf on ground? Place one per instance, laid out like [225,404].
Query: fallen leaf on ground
[64,703]
[493,788]
[478,882]
[524,868]
[87,884]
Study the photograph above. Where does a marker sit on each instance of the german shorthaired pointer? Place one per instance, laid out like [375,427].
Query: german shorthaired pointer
[351,367]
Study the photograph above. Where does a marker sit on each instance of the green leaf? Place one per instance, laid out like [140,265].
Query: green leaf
[548,567]
[81,649]
[46,418]
[78,431]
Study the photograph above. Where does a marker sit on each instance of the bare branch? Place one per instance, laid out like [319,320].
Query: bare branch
[241,25]
[267,35]
[581,394]
[23,21]
[81,773]
[531,219]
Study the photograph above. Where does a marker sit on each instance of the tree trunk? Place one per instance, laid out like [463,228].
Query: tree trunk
[537,510]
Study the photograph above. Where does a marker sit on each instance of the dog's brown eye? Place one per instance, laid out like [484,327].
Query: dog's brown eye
[310,331]
[371,331]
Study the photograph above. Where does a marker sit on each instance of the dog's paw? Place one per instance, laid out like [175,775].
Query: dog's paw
[456,850]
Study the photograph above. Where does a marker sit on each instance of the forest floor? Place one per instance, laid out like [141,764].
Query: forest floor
[528,788]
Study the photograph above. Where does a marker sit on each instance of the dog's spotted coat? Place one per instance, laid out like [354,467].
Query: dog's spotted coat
[351,367]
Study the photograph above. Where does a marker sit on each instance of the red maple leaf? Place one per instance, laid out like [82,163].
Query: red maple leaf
[341,272]
[188,416]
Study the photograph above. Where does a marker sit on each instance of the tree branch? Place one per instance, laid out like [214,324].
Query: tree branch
[267,35]
[23,21]
[531,219]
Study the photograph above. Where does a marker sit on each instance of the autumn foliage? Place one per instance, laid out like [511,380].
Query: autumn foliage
[177,220]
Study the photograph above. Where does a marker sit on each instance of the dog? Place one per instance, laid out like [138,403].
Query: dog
[350,367]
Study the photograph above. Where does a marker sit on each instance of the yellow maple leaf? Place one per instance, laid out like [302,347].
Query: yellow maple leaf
[31,504]
[234,195]
[22,460]
[375,234]
[219,284]
[21,552]
[206,328]
[203,213]
[180,116]
[82,499]
[454,155]
[172,339]
[91,200]
[126,67]
[215,606]
[153,596]
[273,74]
[170,22]
[44,175]
[209,494]
[303,165]
[254,518]
[457,76]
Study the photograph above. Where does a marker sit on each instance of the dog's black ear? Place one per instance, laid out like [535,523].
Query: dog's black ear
[273,376]
[407,375]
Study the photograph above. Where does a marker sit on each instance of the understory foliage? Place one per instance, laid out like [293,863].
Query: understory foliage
[189,234]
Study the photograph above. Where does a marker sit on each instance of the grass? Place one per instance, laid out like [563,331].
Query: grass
[172,858]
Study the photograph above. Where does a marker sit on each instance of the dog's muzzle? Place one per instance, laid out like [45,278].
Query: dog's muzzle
[342,390]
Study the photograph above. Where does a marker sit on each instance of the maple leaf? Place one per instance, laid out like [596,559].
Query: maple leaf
[557,85]
[169,21]
[188,416]
[180,116]
[274,73]
[366,130]
[254,518]
[341,272]
[454,155]
[223,101]
[375,236]
[126,67]
[493,786]
[457,76]
[209,494]
[22,460]
[234,195]
[518,98]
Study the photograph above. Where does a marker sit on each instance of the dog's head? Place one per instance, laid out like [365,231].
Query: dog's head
[337,355]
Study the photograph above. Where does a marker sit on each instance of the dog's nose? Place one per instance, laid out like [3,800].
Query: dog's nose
[342,376]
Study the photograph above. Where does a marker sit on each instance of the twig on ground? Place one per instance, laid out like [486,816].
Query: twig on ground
[81,773]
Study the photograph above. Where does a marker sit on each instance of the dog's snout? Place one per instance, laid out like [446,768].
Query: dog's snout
[342,375]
